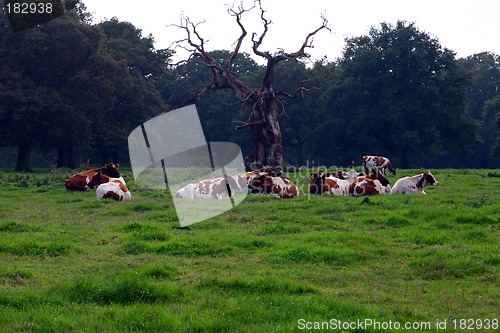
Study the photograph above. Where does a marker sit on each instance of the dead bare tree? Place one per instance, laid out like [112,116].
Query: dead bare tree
[264,117]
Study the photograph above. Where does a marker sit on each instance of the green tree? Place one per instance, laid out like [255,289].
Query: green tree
[401,95]
[143,69]
[491,129]
[482,97]
[73,86]
[47,59]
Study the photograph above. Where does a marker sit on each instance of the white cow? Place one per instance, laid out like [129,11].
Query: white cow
[351,175]
[415,184]
[114,189]
[377,163]
[216,188]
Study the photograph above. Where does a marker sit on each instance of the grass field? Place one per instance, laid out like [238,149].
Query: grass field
[70,263]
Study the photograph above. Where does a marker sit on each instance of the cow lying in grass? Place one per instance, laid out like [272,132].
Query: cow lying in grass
[80,181]
[108,187]
[415,184]
[216,188]
[326,183]
[262,182]
[356,184]
[368,186]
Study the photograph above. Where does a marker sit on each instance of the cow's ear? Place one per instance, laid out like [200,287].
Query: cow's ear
[117,165]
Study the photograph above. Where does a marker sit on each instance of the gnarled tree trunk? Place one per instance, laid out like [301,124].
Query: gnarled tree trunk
[264,117]
[266,137]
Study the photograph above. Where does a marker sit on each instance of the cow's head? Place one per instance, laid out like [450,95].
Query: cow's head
[390,168]
[111,169]
[427,179]
[352,174]
[98,179]
[339,174]
[317,183]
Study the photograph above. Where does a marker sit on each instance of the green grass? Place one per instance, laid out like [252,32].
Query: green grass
[70,263]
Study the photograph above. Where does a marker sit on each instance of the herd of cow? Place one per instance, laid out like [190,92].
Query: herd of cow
[110,184]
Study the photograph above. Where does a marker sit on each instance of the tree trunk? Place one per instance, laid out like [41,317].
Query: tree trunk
[66,158]
[23,158]
[264,118]
[266,138]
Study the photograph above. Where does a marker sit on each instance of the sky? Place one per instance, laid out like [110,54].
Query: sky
[467,27]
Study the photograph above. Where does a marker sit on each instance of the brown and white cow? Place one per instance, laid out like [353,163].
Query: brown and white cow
[325,183]
[109,187]
[367,186]
[350,175]
[415,184]
[79,181]
[262,182]
[101,178]
[380,177]
[377,163]
[216,188]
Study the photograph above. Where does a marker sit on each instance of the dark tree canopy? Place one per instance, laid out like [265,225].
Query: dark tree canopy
[73,86]
[401,95]
[78,89]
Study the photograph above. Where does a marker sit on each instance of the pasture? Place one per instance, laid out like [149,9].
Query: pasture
[71,263]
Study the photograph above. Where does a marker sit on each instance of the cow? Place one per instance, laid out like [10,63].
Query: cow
[367,186]
[101,178]
[79,181]
[414,184]
[114,189]
[377,163]
[325,183]
[380,177]
[215,188]
[109,187]
[262,182]
[350,175]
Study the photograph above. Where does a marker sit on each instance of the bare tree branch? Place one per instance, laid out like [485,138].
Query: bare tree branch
[263,119]
[237,13]
[257,43]
[248,124]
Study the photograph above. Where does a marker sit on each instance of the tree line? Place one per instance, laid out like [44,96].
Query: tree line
[76,90]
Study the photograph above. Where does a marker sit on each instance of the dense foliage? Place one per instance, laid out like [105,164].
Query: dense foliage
[76,87]
[73,91]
